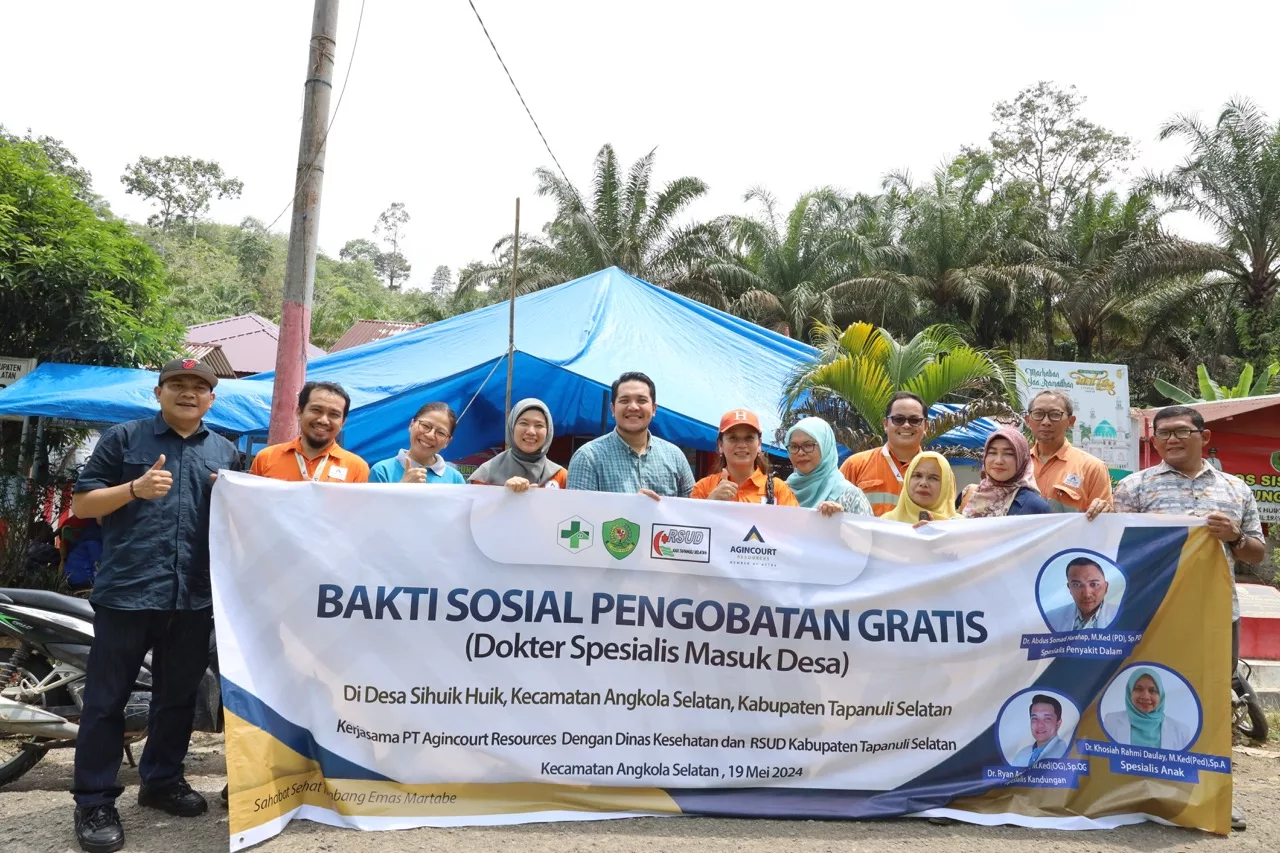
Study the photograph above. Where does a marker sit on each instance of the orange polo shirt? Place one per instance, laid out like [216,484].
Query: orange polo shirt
[879,474]
[280,462]
[750,492]
[1071,479]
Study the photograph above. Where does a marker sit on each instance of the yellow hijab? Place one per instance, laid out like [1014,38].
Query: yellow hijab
[908,511]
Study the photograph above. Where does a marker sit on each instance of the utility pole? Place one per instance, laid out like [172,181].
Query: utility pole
[511,321]
[300,266]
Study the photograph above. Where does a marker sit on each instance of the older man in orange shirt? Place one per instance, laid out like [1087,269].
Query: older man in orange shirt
[1069,479]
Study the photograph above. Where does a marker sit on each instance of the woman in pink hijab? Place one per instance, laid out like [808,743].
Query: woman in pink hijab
[1008,484]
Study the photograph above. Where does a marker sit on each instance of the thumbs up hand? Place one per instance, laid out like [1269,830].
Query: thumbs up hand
[726,490]
[153,484]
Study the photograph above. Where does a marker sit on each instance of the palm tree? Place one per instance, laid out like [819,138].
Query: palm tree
[621,224]
[1115,267]
[958,264]
[858,369]
[790,274]
[1231,179]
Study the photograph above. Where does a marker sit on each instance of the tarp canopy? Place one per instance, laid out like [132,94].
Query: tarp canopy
[572,342]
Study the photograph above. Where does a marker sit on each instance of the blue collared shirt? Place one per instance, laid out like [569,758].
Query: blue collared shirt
[608,464]
[155,553]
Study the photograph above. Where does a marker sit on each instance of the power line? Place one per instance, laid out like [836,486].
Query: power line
[572,188]
[332,118]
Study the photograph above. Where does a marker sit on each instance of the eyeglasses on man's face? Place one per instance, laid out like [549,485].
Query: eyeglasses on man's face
[1180,433]
[802,449]
[901,420]
[1054,415]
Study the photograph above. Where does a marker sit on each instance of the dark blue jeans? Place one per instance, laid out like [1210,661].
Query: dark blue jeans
[179,644]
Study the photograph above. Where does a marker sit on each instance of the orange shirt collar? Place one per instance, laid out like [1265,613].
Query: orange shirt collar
[336,453]
[1061,452]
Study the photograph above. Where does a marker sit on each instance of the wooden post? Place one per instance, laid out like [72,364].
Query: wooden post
[511,323]
[300,264]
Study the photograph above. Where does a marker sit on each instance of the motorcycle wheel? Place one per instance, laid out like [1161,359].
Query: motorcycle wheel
[1251,720]
[15,760]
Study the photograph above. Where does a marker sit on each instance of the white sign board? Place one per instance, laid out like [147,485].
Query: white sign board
[12,369]
[1100,397]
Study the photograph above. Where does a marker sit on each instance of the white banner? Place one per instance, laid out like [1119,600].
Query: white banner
[396,656]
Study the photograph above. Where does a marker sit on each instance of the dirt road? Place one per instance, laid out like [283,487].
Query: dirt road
[35,817]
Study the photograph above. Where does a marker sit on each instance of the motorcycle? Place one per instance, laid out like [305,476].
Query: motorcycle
[42,680]
[1247,715]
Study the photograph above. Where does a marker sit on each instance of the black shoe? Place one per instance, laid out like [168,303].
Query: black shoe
[224,794]
[1237,821]
[98,829]
[176,798]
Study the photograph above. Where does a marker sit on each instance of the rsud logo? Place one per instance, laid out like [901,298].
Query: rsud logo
[683,544]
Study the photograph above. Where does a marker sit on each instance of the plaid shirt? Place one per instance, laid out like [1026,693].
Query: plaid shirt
[1165,490]
[608,464]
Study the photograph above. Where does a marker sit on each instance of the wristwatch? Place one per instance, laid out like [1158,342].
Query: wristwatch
[1236,543]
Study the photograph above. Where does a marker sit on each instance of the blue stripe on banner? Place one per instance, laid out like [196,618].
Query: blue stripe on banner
[1157,549]
[253,710]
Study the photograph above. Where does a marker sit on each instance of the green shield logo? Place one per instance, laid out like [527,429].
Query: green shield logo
[621,537]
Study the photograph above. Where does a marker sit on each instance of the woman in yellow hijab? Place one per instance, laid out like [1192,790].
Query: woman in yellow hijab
[929,491]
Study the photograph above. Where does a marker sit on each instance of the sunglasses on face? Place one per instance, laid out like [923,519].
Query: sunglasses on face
[900,420]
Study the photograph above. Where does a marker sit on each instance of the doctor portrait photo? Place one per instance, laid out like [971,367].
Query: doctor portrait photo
[1150,705]
[1036,725]
[1080,591]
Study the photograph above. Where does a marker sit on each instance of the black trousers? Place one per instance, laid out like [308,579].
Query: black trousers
[179,644]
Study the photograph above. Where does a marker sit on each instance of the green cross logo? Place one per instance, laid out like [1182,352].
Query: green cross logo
[576,534]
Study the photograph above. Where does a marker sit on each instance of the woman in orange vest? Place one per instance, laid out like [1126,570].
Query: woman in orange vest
[744,474]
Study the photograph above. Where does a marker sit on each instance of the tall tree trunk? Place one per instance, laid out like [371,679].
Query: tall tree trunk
[1048,318]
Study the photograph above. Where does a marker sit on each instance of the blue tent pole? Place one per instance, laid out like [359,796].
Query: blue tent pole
[511,323]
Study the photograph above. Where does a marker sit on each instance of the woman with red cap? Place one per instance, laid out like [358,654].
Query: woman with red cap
[744,474]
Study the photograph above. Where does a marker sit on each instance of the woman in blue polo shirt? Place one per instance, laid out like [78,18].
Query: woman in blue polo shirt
[429,433]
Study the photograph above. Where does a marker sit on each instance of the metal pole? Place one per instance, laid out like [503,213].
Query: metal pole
[300,266]
[511,323]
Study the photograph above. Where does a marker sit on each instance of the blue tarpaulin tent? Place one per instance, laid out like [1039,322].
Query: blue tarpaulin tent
[572,341]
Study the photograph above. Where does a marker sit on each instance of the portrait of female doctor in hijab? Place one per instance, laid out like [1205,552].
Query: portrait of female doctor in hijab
[1145,721]
[524,465]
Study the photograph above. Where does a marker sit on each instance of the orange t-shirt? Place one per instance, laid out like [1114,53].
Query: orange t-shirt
[879,474]
[557,481]
[1071,479]
[750,492]
[280,462]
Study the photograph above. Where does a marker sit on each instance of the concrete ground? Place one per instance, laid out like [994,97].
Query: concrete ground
[35,817]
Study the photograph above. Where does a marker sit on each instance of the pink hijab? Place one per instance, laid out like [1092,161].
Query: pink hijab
[992,498]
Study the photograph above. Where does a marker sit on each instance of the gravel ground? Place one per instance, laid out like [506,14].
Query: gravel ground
[35,817]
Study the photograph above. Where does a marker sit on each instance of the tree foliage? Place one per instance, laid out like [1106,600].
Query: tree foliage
[73,286]
[182,188]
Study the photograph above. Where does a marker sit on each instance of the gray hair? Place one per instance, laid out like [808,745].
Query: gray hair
[1063,398]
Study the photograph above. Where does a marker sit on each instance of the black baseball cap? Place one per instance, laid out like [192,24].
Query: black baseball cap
[188,367]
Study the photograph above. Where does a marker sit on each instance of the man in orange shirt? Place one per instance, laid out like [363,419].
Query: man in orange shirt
[315,455]
[879,472]
[1069,479]
[744,470]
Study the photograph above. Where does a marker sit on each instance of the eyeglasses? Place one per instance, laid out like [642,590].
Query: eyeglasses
[1041,414]
[802,449]
[1181,433]
[1093,586]
[431,429]
[900,420]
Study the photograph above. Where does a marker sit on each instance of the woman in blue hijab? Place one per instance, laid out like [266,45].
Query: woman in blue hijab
[817,480]
[1144,722]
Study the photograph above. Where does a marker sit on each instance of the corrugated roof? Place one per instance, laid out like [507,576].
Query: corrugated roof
[212,356]
[248,342]
[1219,410]
[364,331]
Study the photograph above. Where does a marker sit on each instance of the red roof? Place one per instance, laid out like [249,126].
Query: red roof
[367,331]
[248,341]
[1251,415]
[212,356]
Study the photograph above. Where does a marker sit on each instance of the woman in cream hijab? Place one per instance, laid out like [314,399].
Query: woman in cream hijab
[525,465]
[928,492]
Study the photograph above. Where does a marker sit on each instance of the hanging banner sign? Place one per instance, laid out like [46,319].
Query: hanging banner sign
[1099,395]
[1256,460]
[462,655]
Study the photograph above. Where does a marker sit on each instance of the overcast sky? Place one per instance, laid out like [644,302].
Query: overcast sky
[784,95]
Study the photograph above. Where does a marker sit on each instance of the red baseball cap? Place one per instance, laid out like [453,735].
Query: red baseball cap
[737,417]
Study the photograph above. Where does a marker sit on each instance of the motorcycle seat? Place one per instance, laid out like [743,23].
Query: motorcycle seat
[58,603]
